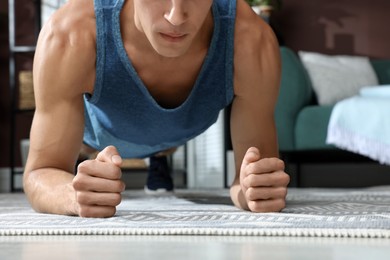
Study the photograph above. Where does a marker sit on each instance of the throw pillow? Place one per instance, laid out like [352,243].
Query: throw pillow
[337,77]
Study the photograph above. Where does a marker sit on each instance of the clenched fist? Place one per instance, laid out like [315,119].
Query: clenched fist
[263,182]
[98,184]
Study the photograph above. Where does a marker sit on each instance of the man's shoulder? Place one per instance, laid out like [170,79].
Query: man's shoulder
[74,24]
[66,49]
[256,53]
[252,33]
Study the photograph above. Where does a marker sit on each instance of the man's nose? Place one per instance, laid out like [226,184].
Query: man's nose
[177,14]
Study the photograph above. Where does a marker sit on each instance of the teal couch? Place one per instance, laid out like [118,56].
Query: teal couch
[302,123]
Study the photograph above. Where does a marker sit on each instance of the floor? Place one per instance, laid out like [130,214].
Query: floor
[190,247]
[202,247]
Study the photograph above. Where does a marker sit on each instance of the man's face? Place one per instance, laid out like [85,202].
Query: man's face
[171,25]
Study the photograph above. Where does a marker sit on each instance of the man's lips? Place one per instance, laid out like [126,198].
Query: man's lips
[174,37]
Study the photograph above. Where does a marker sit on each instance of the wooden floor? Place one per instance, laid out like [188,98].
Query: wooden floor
[191,248]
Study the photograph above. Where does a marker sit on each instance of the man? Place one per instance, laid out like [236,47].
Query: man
[132,78]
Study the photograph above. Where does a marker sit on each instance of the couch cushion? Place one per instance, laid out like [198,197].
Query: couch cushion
[311,128]
[382,70]
[295,92]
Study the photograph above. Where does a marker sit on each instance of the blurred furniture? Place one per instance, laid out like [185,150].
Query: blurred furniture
[301,122]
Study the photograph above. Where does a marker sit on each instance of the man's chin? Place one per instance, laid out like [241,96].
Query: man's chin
[171,52]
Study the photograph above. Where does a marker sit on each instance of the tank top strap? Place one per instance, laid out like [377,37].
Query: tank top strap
[226,8]
[104,4]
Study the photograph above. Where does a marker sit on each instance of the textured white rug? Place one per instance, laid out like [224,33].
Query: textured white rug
[309,213]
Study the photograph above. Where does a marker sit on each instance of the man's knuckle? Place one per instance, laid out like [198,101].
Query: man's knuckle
[84,211]
[249,169]
[118,186]
[251,180]
[107,212]
[92,212]
[107,148]
[111,212]
[281,204]
[259,207]
[117,173]
[83,198]
[117,198]
[85,166]
[283,192]
[252,205]
[77,183]
[267,161]
[285,179]
[82,166]
[282,164]
[274,163]
[250,194]
[114,172]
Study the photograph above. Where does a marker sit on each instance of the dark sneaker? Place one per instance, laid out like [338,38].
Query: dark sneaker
[159,179]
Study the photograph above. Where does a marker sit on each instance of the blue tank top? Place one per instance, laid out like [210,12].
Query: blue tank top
[121,111]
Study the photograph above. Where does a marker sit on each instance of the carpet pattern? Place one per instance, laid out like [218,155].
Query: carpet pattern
[309,213]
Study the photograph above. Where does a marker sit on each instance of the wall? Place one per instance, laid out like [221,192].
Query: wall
[356,27]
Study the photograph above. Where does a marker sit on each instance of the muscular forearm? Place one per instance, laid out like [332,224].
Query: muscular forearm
[238,197]
[50,190]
